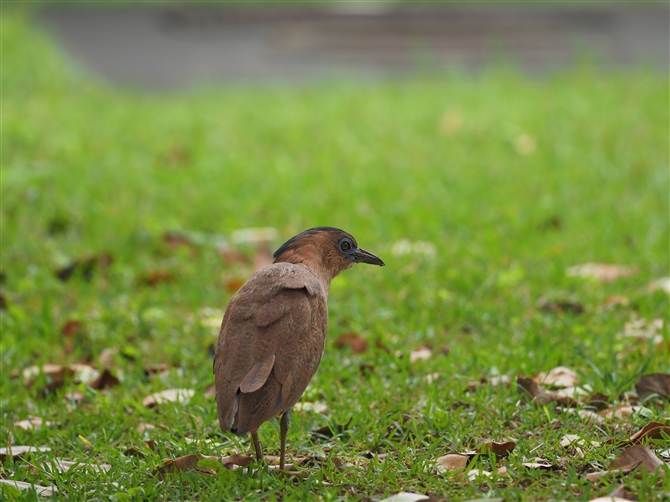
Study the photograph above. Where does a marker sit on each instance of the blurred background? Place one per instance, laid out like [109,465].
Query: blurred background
[173,46]
[481,149]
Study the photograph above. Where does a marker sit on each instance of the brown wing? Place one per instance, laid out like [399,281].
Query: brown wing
[269,347]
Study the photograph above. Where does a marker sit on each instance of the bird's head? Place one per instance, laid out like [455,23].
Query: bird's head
[329,249]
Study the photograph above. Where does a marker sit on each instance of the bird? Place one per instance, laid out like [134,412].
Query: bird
[273,332]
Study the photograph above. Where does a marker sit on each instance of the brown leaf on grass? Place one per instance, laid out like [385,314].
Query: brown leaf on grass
[653,430]
[185,463]
[621,493]
[496,381]
[56,465]
[617,301]
[575,440]
[105,380]
[42,491]
[55,375]
[31,423]
[236,460]
[420,354]
[263,256]
[156,369]
[144,426]
[610,498]
[500,450]
[655,383]
[558,377]
[70,330]
[234,283]
[19,451]
[560,307]
[155,277]
[621,411]
[176,240]
[662,284]
[587,416]
[316,407]
[329,431]
[598,401]
[601,271]
[232,256]
[85,266]
[405,497]
[168,396]
[73,397]
[635,456]
[540,395]
[72,327]
[541,464]
[643,330]
[355,342]
[452,462]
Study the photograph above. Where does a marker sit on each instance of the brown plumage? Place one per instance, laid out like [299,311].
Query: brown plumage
[274,331]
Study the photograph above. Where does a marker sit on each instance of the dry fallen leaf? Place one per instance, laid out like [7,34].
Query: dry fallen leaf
[317,407]
[31,423]
[500,450]
[236,460]
[587,415]
[633,457]
[560,307]
[155,277]
[539,394]
[420,354]
[103,381]
[54,373]
[558,377]
[168,396]
[644,330]
[19,451]
[353,341]
[176,239]
[662,284]
[328,431]
[574,440]
[73,398]
[617,301]
[601,271]
[263,256]
[655,383]
[621,411]
[540,463]
[405,497]
[85,266]
[143,426]
[185,463]
[453,462]
[653,430]
[43,491]
[65,465]
[234,283]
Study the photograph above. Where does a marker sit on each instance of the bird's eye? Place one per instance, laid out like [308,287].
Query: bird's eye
[345,245]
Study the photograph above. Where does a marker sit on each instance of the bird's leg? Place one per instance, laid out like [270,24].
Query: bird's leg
[283,430]
[257,446]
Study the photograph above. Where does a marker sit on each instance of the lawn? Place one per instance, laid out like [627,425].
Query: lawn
[479,192]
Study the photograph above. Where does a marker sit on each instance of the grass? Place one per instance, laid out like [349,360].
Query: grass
[509,180]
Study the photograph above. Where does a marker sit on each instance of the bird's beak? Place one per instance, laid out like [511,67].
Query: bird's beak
[362,256]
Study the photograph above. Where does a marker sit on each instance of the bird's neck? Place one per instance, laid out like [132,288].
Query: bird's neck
[314,263]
